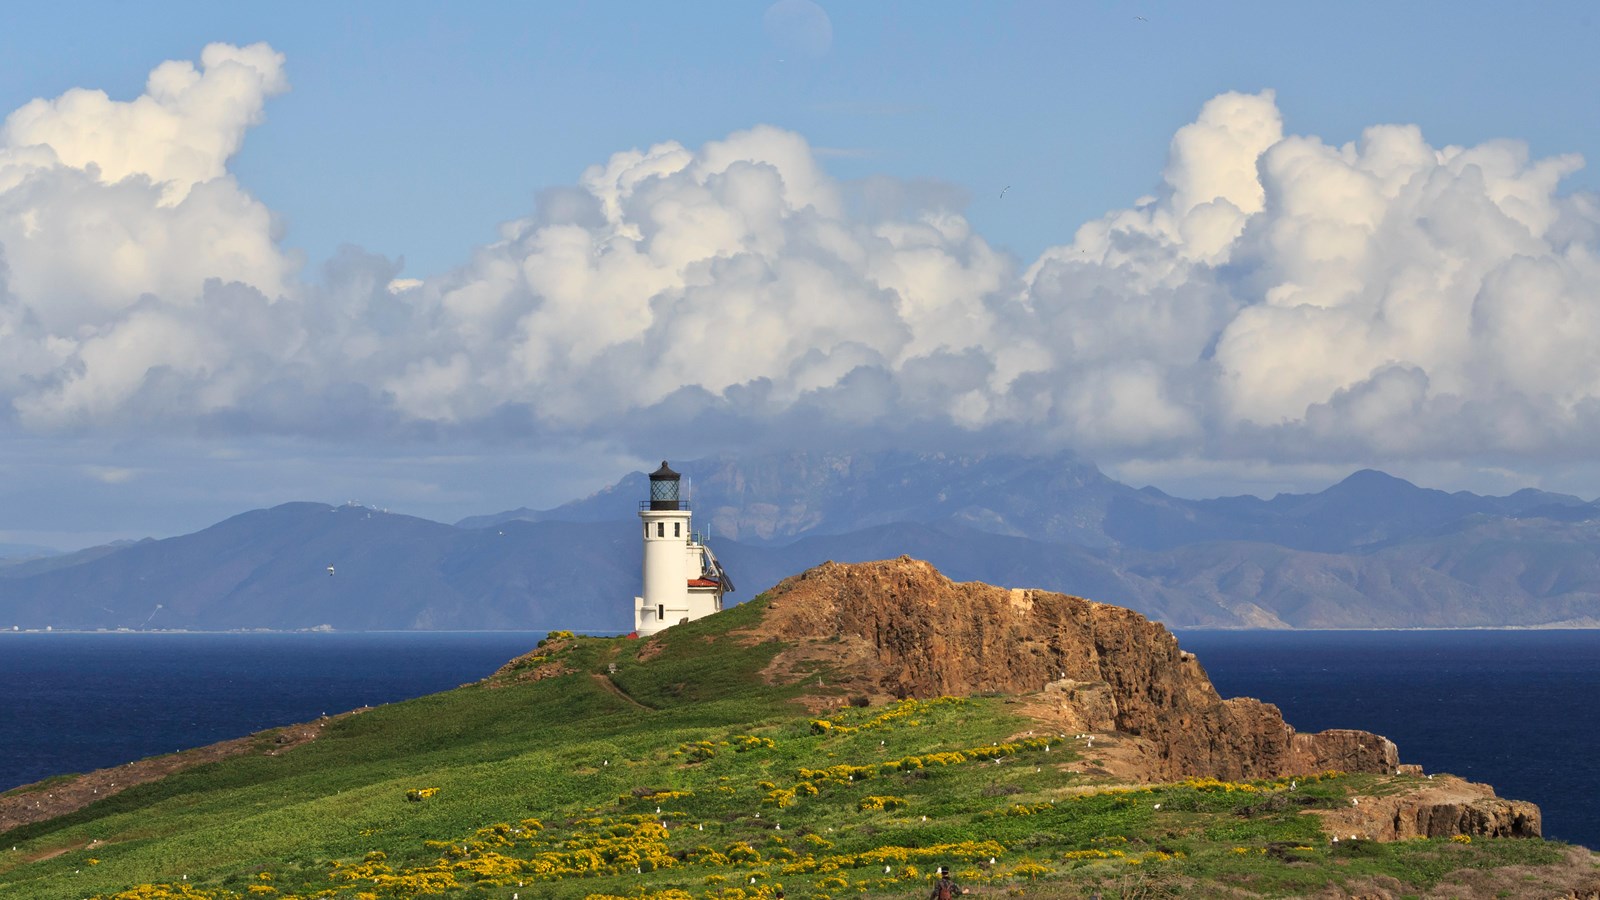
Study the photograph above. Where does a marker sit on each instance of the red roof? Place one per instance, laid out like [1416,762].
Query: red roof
[703,582]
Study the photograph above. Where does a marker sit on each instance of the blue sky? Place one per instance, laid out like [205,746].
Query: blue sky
[414,131]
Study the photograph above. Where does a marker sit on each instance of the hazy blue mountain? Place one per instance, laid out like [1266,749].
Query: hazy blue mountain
[1365,508]
[1562,512]
[615,503]
[1484,571]
[1370,551]
[269,569]
[965,554]
[17,568]
[1487,572]
[777,498]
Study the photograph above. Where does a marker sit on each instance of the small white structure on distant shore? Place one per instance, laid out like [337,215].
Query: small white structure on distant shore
[682,578]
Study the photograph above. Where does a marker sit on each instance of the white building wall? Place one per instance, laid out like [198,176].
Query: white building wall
[702,603]
[666,574]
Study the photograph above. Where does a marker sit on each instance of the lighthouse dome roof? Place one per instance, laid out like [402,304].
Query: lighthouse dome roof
[664,473]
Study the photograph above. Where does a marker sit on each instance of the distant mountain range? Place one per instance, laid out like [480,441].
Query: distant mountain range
[1062,500]
[1372,551]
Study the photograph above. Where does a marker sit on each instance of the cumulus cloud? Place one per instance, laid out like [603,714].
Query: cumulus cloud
[1276,297]
[114,219]
[1379,299]
[180,132]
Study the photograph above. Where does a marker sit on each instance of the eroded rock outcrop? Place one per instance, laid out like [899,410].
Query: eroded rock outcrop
[900,628]
[1444,806]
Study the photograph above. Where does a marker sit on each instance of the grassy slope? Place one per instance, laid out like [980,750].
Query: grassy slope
[570,752]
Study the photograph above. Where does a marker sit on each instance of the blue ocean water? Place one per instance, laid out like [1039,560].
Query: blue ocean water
[1517,709]
[76,702]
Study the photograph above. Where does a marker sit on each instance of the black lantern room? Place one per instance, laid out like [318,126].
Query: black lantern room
[664,488]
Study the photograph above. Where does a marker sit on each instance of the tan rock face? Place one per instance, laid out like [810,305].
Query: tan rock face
[900,628]
[1343,750]
[1442,807]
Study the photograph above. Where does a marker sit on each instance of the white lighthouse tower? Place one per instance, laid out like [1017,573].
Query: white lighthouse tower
[682,578]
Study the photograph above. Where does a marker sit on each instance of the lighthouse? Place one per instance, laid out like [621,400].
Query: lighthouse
[682,578]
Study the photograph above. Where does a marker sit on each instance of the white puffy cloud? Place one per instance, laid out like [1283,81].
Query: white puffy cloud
[1277,297]
[114,218]
[1387,254]
[179,133]
[1376,300]
[713,269]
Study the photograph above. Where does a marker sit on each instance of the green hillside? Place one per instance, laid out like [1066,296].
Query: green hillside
[685,775]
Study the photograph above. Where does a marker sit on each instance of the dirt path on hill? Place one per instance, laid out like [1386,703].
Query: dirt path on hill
[610,686]
[52,798]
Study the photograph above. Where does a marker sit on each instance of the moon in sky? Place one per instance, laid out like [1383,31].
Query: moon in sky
[798,28]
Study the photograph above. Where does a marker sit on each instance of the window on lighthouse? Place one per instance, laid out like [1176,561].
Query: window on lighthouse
[677,529]
[661,612]
[661,529]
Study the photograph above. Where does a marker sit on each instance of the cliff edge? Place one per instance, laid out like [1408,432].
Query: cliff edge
[900,628]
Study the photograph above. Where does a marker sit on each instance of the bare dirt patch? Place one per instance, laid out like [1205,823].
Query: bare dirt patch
[652,648]
[535,665]
[532,671]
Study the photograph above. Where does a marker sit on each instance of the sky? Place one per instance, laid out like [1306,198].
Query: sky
[454,259]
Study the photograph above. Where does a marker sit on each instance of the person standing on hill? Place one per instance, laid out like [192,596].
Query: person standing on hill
[944,888]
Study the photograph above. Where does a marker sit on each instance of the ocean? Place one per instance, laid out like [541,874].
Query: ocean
[1517,709]
[81,701]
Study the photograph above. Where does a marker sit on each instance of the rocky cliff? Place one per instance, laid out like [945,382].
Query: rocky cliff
[1442,807]
[900,628]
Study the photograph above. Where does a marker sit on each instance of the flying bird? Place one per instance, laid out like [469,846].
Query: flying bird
[1003,191]
[330,571]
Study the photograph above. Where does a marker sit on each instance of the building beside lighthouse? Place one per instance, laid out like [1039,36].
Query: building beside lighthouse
[682,578]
